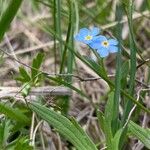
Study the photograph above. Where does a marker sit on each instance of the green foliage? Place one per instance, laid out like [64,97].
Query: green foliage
[116,140]
[36,64]
[5,127]
[108,116]
[133,50]
[124,74]
[107,122]
[101,119]
[70,130]
[26,89]
[24,75]
[12,113]
[8,15]
[7,133]
[21,143]
[140,133]
[33,78]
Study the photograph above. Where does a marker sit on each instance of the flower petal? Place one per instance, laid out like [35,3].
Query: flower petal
[94,45]
[103,52]
[95,31]
[113,42]
[78,37]
[86,41]
[84,32]
[99,38]
[113,49]
[96,41]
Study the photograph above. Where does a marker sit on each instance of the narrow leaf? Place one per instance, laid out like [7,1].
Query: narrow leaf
[100,117]
[24,74]
[36,64]
[13,113]
[108,119]
[5,128]
[124,74]
[140,133]
[65,127]
[116,139]
[8,16]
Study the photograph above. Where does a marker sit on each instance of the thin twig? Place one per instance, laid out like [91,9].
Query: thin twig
[45,90]
[34,133]
[82,79]
[135,16]
[11,49]
[132,110]
[144,62]
[32,127]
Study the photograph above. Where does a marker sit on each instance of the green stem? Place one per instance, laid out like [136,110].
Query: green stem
[129,104]
[115,111]
[57,27]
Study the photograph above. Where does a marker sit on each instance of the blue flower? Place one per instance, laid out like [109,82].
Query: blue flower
[87,36]
[104,46]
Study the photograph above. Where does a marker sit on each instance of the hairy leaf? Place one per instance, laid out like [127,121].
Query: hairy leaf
[65,127]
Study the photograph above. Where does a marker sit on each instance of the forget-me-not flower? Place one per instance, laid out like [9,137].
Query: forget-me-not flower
[104,46]
[86,35]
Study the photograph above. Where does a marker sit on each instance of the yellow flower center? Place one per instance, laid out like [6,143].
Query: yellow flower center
[88,37]
[105,43]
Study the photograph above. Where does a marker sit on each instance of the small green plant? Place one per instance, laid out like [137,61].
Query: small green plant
[33,78]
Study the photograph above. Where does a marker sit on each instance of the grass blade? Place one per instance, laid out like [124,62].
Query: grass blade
[133,48]
[115,109]
[57,24]
[8,16]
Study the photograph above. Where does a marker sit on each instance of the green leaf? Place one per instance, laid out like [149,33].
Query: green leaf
[21,79]
[8,16]
[5,128]
[117,93]
[124,74]
[79,128]
[140,133]
[133,60]
[108,119]
[108,108]
[24,74]
[65,127]
[115,108]
[36,64]
[26,89]
[13,113]
[116,140]
[21,143]
[100,117]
